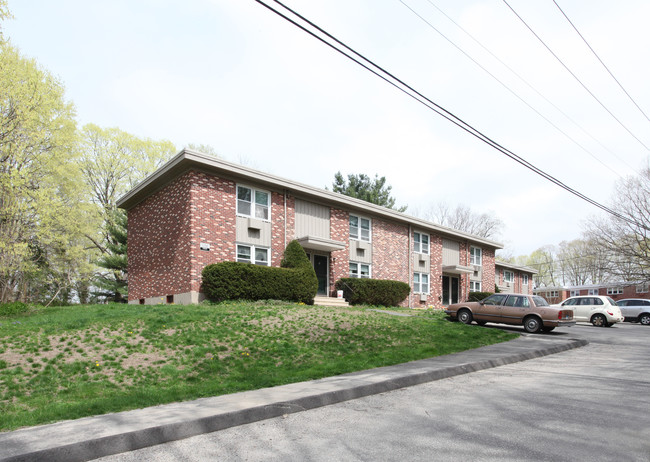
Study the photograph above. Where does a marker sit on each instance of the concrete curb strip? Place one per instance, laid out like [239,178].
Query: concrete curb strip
[93,437]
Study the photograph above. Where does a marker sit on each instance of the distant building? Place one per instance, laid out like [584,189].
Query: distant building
[514,278]
[616,291]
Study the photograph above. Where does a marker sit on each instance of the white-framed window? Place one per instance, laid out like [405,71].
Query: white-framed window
[359,228]
[252,254]
[574,293]
[420,283]
[420,243]
[643,288]
[553,293]
[592,292]
[524,279]
[475,256]
[359,270]
[614,291]
[253,203]
[474,286]
[508,276]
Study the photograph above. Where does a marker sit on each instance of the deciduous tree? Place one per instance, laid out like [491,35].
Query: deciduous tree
[41,192]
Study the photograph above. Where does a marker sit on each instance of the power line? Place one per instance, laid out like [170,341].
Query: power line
[575,76]
[508,88]
[529,85]
[601,61]
[417,96]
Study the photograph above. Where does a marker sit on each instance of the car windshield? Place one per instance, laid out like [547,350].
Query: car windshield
[539,301]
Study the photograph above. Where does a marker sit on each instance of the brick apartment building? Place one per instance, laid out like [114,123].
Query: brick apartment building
[617,291]
[514,278]
[196,210]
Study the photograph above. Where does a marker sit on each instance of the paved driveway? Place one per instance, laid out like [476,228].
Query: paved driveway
[592,403]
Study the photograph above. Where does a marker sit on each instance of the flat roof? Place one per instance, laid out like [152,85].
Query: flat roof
[188,159]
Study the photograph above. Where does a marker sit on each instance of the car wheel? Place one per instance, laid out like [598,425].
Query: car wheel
[599,320]
[548,329]
[532,324]
[645,319]
[465,316]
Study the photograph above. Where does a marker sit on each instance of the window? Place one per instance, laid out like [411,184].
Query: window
[496,299]
[517,301]
[643,288]
[420,283]
[253,203]
[592,292]
[474,286]
[553,294]
[359,228]
[421,243]
[574,293]
[524,279]
[252,254]
[508,276]
[475,256]
[614,291]
[359,270]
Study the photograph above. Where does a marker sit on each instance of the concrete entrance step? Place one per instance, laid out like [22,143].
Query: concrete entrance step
[329,301]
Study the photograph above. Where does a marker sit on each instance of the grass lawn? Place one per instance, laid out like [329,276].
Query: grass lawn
[68,362]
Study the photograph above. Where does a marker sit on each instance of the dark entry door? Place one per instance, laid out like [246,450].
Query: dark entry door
[450,287]
[320,266]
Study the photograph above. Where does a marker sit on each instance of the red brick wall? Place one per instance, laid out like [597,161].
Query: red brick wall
[340,259]
[214,209]
[390,255]
[488,271]
[159,242]
[435,274]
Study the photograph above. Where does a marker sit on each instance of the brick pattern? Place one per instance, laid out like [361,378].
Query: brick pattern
[390,256]
[339,231]
[159,255]
[277,226]
[488,273]
[435,276]
[213,221]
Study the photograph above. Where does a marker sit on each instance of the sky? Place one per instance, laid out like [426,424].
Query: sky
[235,76]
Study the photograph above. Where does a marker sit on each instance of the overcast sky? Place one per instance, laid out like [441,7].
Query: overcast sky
[231,74]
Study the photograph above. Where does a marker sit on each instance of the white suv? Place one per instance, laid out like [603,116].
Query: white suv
[599,310]
[635,310]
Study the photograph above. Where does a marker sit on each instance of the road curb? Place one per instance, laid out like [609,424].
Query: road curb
[94,437]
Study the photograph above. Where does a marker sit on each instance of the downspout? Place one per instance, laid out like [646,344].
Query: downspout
[410,278]
[285,218]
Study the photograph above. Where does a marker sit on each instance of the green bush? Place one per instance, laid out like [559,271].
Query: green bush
[373,291]
[478,296]
[295,281]
[13,308]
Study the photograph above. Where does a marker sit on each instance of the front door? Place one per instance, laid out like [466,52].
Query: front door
[320,266]
[450,286]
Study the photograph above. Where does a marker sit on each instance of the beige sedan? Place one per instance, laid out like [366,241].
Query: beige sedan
[530,311]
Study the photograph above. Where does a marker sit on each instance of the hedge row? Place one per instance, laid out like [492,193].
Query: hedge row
[373,291]
[478,296]
[294,281]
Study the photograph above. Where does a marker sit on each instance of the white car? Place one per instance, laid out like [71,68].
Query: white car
[599,310]
[635,310]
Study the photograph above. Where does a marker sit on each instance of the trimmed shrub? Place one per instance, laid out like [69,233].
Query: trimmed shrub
[295,257]
[477,296]
[373,291]
[295,281]
[13,308]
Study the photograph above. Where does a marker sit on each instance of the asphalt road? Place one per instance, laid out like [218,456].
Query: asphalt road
[587,404]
